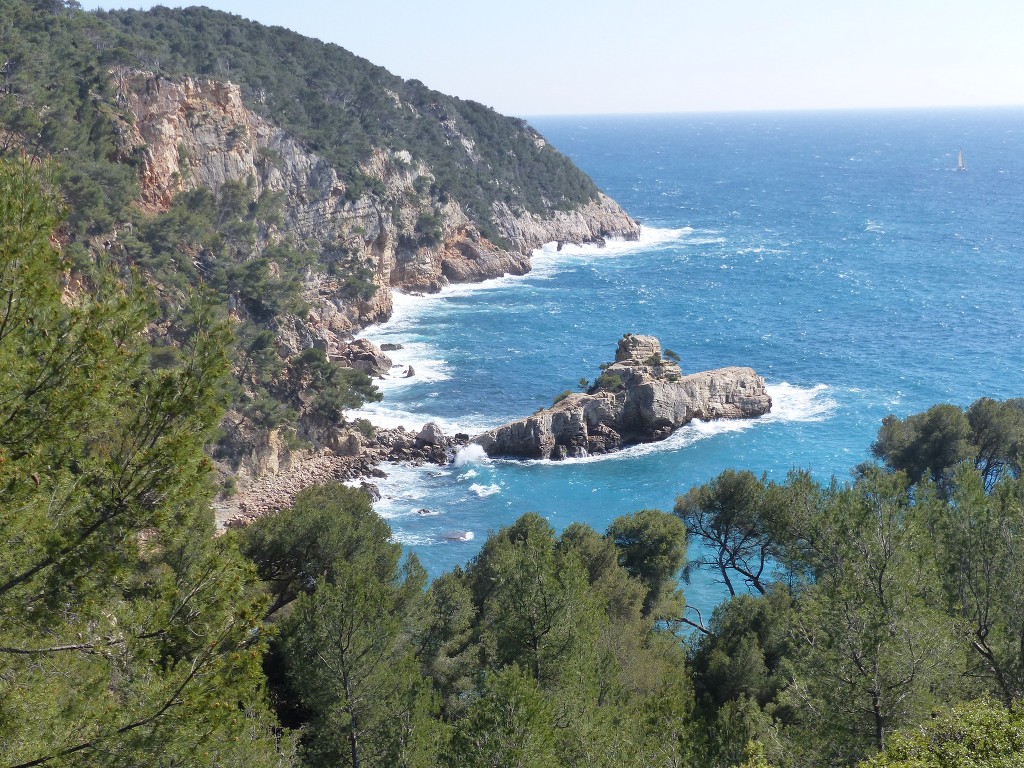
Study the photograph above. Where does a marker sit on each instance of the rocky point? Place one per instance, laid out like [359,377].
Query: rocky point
[640,398]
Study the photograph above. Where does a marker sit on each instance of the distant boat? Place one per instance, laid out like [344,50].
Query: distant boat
[960,166]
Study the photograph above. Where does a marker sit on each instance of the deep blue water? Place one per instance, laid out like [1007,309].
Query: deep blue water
[841,255]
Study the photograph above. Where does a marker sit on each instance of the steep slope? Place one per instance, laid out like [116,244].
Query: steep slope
[293,182]
[197,133]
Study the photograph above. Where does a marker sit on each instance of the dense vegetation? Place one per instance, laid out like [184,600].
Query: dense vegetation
[343,106]
[129,635]
[60,74]
[879,620]
[58,97]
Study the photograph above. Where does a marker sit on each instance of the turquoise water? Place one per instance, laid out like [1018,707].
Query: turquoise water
[840,255]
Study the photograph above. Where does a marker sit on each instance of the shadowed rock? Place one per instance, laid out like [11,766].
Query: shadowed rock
[640,398]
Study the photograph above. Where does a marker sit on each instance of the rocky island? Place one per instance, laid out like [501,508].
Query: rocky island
[640,398]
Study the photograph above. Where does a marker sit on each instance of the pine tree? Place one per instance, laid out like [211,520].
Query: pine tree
[128,633]
[347,645]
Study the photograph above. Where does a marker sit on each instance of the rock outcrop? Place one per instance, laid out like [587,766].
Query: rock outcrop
[365,356]
[388,226]
[194,132]
[273,485]
[640,398]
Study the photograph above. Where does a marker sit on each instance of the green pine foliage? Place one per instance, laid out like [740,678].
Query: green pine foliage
[877,620]
[342,106]
[57,97]
[128,633]
[977,734]
[131,635]
[60,75]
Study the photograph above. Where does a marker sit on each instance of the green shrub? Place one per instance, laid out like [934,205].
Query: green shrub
[609,381]
[365,428]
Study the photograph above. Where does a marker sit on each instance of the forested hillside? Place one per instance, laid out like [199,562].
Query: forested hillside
[60,99]
[343,106]
[880,619]
[292,182]
[196,213]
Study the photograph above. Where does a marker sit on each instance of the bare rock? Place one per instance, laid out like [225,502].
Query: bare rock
[371,490]
[640,398]
[431,434]
[637,350]
[365,356]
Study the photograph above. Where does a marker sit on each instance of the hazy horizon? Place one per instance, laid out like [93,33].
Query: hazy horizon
[590,58]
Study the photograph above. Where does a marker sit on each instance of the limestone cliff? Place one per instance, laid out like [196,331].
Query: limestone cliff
[640,398]
[188,133]
[194,132]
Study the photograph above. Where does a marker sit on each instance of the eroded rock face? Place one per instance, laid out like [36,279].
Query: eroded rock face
[194,132]
[431,434]
[364,355]
[197,132]
[640,398]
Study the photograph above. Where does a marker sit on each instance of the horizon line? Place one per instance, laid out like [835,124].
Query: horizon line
[772,111]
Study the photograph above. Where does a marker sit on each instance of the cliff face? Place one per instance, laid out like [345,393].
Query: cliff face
[198,133]
[640,398]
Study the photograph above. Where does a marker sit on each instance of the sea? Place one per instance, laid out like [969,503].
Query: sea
[841,255]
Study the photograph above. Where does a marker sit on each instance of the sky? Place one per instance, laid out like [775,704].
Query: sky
[563,57]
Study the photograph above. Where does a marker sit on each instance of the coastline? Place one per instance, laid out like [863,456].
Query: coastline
[398,427]
[396,432]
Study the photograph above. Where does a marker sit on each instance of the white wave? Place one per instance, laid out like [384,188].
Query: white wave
[389,416]
[469,454]
[457,536]
[412,539]
[792,403]
[409,312]
[468,475]
[483,491]
[650,237]
[426,366]
[400,489]
[428,539]
[407,309]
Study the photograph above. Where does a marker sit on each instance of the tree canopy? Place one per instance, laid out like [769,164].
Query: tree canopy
[128,633]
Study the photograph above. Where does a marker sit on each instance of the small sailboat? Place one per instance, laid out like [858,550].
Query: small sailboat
[960,165]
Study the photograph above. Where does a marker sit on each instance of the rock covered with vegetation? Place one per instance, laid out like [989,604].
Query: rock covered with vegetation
[642,397]
[294,182]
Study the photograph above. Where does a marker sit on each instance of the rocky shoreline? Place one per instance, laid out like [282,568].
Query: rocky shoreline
[395,221]
[271,492]
[641,397]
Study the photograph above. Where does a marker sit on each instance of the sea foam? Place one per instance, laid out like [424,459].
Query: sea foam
[790,403]
[469,454]
[410,311]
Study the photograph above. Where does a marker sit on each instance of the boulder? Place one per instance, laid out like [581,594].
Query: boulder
[431,434]
[637,350]
[640,398]
[365,356]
